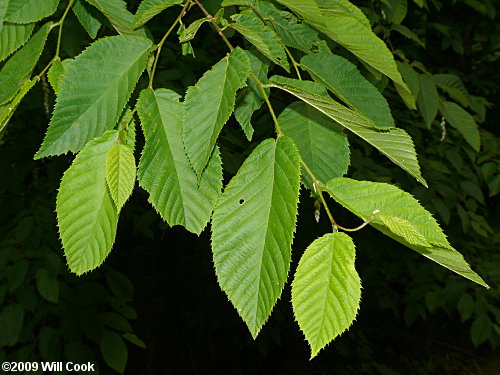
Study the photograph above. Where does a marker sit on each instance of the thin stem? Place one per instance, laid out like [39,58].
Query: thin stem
[365,223]
[163,39]
[60,24]
[217,27]
[294,63]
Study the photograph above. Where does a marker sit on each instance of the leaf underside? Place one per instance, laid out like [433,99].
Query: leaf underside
[321,142]
[86,215]
[120,173]
[326,290]
[252,229]
[209,104]
[164,170]
[396,144]
[364,197]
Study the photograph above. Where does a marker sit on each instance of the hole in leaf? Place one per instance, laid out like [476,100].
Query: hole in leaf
[242,201]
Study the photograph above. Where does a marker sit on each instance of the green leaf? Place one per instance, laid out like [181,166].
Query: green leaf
[120,173]
[7,110]
[47,285]
[461,120]
[454,86]
[209,104]
[396,13]
[345,8]
[410,77]
[364,197]
[11,323]
[326,290]
[396,144]
[86,214]
[13,36]
[87,17]
[262,37]
[189,33]
[164,170]
[150,8]
[20,65]
[403,30]
[428,99]
[252,230]
[250,98]
[480,329]
[56,72]
[321,142]
[343,78]
[91,100]
[404,228]
[350,31]
[116,12]
[130,337]
[291,32]
[114,351]
[25,11]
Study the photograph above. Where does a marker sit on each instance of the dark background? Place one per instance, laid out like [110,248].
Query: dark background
[159,282]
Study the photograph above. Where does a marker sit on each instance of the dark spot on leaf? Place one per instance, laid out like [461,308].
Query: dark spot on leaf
[242,201]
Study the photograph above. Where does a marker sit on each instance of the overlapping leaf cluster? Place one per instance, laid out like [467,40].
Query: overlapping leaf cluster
[253,219]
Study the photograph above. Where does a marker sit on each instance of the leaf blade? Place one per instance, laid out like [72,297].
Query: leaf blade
[326,290]
[87,218]
[120,173]
[91,101]
[252,230]
[396,144]
[209,104]
[364,197]
[164,169]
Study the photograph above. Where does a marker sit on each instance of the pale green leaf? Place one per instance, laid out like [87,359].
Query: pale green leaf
[7,110]
[120,173]
[86,214]
[25,11]
[396,144]
[364,197]
[454,86]
[343,79]
[164,170]
[321,142]
[150,8]
[252,230]
[404,228]
[117,13]
[428,99]
[349,31]
[250,98]
[91,100]
[190,32]
[87,17]
[461,120]
[291,32]
[262,37]
[13,36]
[20,65]
[209,104]
[114,351]
[326,290]
[344,8]
[56,72]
